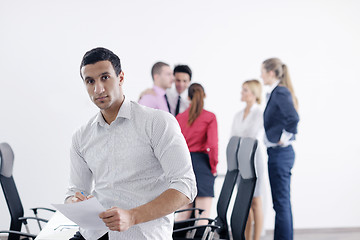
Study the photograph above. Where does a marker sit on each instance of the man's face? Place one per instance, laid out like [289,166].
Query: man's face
[102,84]
[165,78]
[182,81]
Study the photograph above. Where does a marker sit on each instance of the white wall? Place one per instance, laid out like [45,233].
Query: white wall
[43,100]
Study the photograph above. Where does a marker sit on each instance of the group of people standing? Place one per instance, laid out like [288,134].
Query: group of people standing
[142,164]
[199,127]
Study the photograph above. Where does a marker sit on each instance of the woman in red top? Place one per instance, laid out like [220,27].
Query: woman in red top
[199,128]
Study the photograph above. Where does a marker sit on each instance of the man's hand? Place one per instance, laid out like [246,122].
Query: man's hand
[148,91]
[117,219]
[78,197]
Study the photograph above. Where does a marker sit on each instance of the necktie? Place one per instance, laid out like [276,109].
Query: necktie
[177,106]
[167,102]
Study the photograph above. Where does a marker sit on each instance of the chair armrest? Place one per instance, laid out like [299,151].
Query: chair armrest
[42,208]
[24,219]
[197,227]
[195,219]
[190,209]
[20,234]
[207,233]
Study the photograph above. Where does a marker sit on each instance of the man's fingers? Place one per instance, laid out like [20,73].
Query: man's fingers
[80,196]
[108,213]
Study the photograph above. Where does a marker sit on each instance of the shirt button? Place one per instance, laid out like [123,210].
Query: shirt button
[208,149]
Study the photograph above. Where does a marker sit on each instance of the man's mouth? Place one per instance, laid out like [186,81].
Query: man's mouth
[100,98]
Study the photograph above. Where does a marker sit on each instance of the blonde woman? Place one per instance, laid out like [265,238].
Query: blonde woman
[249,123]
[280,123]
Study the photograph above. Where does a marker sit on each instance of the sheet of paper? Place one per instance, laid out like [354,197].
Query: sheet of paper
[85,213]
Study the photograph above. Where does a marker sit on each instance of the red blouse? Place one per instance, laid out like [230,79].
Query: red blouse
[202,135]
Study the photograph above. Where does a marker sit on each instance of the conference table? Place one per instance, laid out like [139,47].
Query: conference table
[58,227]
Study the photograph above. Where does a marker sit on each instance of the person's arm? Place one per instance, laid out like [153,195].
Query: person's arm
[288,111]
[117,219]
[212,144]
[148,101]
[80,175]
[148,91]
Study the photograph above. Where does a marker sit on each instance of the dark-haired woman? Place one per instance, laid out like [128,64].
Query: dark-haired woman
[199,128]
[280,123]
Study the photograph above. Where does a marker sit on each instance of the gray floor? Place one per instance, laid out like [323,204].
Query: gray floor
[314,234]
[322,234]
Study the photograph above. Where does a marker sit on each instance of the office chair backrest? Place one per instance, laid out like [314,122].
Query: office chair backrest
[9,188]
[228,186]
[246,186]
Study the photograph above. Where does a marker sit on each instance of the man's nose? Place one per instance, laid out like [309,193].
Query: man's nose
[99,88]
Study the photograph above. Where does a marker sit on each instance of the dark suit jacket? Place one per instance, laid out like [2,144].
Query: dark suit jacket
[280,114]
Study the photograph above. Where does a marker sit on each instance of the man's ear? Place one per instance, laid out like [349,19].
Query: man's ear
[155,77]
[121,77]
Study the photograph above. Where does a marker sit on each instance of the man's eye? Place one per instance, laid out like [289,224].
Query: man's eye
[90,81]
[105,77]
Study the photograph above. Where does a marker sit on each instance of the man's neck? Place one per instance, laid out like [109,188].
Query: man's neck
[159,86]
[111,113]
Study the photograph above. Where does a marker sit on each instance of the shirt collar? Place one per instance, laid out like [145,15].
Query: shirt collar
[184,94]
[254,106]
[124,112]
[159,91]
[273,86]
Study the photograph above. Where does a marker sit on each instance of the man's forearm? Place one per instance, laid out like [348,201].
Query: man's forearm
[168,202]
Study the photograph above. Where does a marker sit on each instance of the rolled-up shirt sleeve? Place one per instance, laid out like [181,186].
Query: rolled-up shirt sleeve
[171,150]
[80,174]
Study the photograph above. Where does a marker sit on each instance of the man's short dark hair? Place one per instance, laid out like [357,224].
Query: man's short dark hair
[156,69]
[183,69]
[101,54]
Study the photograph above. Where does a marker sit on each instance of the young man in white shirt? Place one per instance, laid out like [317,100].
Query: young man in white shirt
[132,158]
[178,96]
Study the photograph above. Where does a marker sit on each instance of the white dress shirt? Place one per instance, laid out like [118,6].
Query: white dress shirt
[252,126]
[130,162]
[173,96]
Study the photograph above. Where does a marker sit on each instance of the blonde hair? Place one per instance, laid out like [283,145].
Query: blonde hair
[196,94]
[282,73]
[256,89]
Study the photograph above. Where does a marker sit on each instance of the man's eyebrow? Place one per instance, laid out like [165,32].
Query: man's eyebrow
[104,73]
[101,74]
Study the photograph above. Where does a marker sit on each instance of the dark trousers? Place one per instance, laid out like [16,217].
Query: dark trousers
[78,236]
[280,163]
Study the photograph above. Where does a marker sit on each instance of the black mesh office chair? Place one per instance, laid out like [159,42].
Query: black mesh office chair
[246,180]
[12,196]
[246,187]
[223,201]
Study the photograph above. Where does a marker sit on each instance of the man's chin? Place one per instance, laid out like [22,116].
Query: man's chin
[180,90]
[102,106]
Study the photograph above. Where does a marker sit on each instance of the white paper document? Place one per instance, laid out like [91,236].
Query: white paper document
[84,213]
